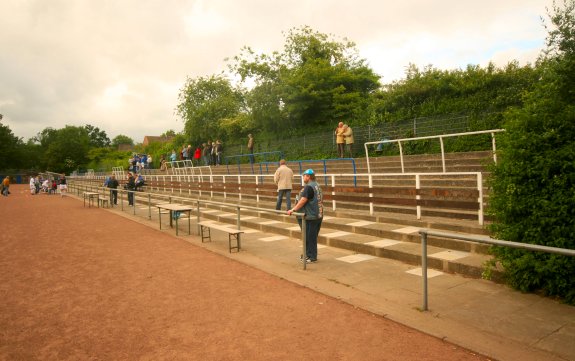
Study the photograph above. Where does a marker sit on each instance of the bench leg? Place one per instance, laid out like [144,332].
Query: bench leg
[237,238]
[206,234]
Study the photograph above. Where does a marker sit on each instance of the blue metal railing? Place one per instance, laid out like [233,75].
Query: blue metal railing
[278,154]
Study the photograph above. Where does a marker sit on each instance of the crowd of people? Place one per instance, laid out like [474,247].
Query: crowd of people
[139,162]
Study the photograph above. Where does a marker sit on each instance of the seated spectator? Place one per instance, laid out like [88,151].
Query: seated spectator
[140,182]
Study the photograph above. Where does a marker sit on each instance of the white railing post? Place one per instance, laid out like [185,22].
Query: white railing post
[401,156]
[442,153]
[370,184]
[493,145]
[418,195]
[333,191]
[239,188]
[480,200]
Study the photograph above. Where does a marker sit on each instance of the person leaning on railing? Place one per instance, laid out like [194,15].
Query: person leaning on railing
[310,202]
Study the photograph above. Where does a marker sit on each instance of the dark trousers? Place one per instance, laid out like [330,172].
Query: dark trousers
[281,193]
[114,196]
[130,198]
[312,227]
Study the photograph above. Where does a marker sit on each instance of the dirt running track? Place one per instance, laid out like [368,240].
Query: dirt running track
[86,284]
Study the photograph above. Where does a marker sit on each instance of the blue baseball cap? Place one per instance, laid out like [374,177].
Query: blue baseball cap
[309,172]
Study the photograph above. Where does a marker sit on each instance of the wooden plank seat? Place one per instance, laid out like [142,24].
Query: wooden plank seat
[233,234]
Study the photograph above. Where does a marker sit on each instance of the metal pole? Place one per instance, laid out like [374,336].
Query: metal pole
[304,241]
[198,216]
[238,221]
[424,268]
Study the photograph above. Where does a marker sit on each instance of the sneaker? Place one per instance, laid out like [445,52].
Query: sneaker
[307,260]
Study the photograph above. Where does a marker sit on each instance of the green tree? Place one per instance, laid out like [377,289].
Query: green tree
[98,138]
[315,81]
[204,102]
[69,149]
[10,147]
[121,139]
[533,183]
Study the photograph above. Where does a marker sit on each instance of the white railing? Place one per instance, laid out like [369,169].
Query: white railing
[440,137]
[163,183]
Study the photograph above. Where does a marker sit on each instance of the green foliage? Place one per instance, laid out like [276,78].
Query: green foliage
[471,91]
[68,149]
[98,138]
[204,102]
[314,82]
[534,180]
[10,149]
[121,139]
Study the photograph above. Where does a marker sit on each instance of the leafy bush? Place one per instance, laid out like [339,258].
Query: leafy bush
[533,198]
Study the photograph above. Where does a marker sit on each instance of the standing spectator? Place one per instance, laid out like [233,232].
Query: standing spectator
[340,139]
[173,156]
[149,165]
[163,165]
[54,188]
[283,177]
[113,185]
[135,163]
[131,186]
[348,133]
[219,152]
[63,185]
[197,155]
[251,148]
[190,152]
[184,153]
[37,184]
[6,186]
[213,154]
[310,201]
[32,185]
[144,161]
[206,152]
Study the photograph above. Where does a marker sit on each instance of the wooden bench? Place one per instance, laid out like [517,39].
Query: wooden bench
[205,232]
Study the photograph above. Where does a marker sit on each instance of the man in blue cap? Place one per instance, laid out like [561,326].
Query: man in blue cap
[310,202]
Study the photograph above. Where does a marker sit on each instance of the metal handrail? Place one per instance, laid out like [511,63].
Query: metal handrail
[198,201]
[440,137]
[479,239]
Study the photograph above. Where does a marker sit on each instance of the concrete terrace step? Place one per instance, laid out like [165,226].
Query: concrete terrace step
[400,244]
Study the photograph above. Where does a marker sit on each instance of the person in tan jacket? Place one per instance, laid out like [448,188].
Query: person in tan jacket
[283,177]
[340,139]
[348,134]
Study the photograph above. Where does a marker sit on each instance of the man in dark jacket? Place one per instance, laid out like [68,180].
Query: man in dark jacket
[113,185]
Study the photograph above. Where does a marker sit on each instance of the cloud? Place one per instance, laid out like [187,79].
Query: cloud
[119,65]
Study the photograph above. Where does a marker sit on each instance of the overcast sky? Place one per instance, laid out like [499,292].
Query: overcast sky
[119,64]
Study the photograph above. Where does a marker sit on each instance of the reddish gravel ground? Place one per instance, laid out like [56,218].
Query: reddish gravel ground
[85,284]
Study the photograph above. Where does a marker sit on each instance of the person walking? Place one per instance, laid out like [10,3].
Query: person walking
[6,186]
[340,139]
[113,185]
[251,148]
[310,201]
[348,134]
[283,177]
